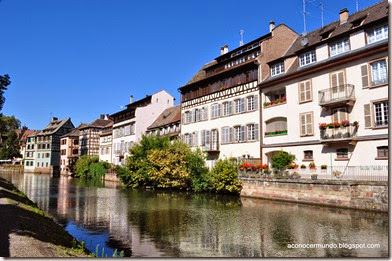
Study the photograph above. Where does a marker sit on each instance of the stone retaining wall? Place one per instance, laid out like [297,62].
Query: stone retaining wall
[366,195]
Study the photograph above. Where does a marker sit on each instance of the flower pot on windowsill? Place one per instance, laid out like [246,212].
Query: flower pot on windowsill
[314,176]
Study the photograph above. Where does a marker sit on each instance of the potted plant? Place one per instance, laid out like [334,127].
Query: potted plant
[266,104]
[336,124]
[323,166]
[312,165]
[313,176]
[296,175]
[303,166]
[337,174]
[345,123]
[322,126]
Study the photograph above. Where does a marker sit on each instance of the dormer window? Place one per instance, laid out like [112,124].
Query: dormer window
[307,58]
[277,69]
[378,34]
[339,47]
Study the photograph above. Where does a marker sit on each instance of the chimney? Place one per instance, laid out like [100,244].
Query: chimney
[224,49]
[131,99]
[343,15]
[54,118]
[272,25]
[102,116]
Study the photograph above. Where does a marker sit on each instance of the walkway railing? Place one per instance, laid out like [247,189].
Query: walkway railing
[363,173]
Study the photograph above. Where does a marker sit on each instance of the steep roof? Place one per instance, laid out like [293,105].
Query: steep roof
[355,21]
[73,133]
[53,127]
[168,116]
[26,133]
[98,123]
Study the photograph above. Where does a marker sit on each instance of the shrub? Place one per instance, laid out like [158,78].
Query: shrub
[312,165]
[281,160]
[224,177]
[90,167]
[324,166]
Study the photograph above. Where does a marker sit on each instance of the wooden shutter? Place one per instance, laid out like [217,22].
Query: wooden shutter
[242,133]
[182,118]
[308,91]
[368,118]
[309,124]
[242,104]
[365,78]
[220,109]
[256,131]
[196,138]
[303,124]
[231,135]
[334,80]
[302,96]
[340,78]
[192,116]
[256,102]
[230,107]
[205,117]
[203,138]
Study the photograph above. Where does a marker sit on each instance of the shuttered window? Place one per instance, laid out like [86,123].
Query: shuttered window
[205,113]
[253,132]
[306,121]
[339,114]
[364,75]
[195,139]
[239,133]
[367,115]
[276,124]
[382,152]
[227,108]
[337,79]
[239,105]
[215,111]
[305,91]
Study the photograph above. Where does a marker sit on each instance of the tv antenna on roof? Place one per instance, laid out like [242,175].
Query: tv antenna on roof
[304,13]
[356,4]
[322,13]
[242,37]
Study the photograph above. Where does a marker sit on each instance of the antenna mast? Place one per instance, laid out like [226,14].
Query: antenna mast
[356,4]
[242,37]
[304,13]
[322,13]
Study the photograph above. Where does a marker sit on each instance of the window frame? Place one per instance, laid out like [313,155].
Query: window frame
[385,150]
[370,72]
[373,30]
[307,158]
[299,91]
[302,57]
[277,69]
[312,124]
[336,43]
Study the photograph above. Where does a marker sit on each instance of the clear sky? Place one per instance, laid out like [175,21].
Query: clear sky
[82,58]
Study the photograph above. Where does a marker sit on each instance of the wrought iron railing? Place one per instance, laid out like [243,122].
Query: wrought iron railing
[340,133]
[335,94]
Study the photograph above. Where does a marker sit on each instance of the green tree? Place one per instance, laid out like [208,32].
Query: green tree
[4,82]
[90,167]
[224,177]
[9,140]
[281,160]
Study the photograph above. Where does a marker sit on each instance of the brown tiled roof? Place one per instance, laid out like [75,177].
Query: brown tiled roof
[201,74]
[335,29]
[168,116]
[73,133]
[53,126]
[99,123]
[106,133]
[26,133]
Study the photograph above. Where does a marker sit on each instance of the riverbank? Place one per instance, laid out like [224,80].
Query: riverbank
[27,231]
[363,195]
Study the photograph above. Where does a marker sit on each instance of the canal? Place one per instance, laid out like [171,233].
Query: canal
[181,224]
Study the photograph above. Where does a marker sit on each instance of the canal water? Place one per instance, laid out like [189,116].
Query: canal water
[180,224]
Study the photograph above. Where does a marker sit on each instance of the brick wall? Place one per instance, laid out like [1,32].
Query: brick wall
[366,195]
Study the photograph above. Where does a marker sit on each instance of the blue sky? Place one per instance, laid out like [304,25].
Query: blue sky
[82,58]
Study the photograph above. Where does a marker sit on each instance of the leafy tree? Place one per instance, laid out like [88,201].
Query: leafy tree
[90,167]
[224,177]
[9,148]
[281,160]
[4,82]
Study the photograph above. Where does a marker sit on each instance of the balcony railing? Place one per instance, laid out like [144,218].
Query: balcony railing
[340,133]
[342,93]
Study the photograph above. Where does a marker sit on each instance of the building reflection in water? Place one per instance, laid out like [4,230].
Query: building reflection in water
[155,223]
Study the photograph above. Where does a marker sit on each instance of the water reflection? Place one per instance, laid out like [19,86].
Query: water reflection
[156,223]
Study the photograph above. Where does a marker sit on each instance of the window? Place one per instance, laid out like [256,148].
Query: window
[308,154]
[306,121]
[215,111]
[47,155]
[252,102]
[227,135]
[305,91]
[339,47]
[379,72]
[127,130]
[277,68]
[64,141]
[276,124]
[188,117]
[39,155]
[46,164]
[239,105]
[307,58]
[339,114]
[381,113]
[188,139]
[195,138]
[253,132]
[214,140]
[227,108]
[76,142]
[197,115]
[342,153]
[378,34]
[204,113]
[239,133]
[382,152]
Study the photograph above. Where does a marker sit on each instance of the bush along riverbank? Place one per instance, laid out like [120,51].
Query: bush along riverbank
[156,162]
[27,231]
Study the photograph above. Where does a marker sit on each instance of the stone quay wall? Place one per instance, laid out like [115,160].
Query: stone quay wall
[365,195]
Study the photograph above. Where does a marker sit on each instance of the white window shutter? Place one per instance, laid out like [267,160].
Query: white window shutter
[256,100]
[203,138]
[367,114]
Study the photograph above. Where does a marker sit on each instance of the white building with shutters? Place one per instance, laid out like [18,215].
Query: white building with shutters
[220,105]
[131,123]
[328,101]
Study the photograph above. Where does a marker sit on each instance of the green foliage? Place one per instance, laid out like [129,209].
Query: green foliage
[224,177]
[281,160]
[9,140]
[4,82]
[157,162]
[90,167]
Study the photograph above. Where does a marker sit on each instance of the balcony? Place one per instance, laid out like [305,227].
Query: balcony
[212,147]
[338,133]
[340,95]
